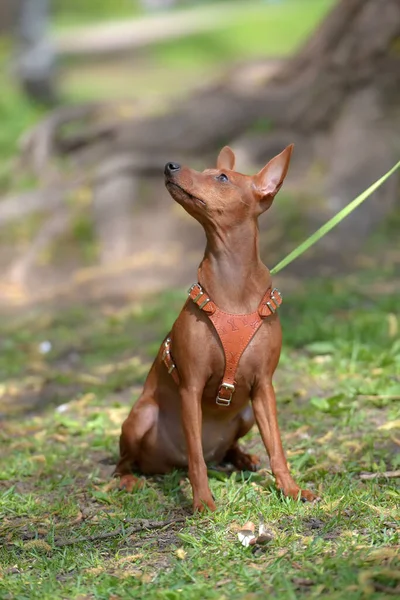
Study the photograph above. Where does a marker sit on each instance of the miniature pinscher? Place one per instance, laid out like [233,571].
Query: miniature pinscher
[212,378]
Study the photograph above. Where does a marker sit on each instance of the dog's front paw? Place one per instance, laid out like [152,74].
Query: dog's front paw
[297,493]
[202,504]
[290,489]
[307,496]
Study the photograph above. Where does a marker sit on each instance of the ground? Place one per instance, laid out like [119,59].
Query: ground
[69,378]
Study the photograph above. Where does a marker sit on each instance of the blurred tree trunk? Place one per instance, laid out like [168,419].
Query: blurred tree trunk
[35,55]
[356,48]
[338,99]
[27,22]
[8,12]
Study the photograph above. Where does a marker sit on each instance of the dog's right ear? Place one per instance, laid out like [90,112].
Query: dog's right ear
[226,159]
[269,180]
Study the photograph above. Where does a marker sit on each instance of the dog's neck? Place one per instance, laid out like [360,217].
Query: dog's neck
[232,271]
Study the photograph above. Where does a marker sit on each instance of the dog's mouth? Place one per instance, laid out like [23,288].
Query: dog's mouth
[172,184]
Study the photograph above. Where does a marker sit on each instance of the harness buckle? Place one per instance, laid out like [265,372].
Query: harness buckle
[206,301]
[225,401]
[166,350]
[199,295]
[271,307]
[274,302]
[275,290]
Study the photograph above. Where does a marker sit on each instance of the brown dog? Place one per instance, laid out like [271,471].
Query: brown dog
[196,400]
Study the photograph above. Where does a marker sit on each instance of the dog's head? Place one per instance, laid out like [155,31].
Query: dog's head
[222,196]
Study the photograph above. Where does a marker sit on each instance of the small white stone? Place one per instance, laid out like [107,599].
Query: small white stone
[44,347]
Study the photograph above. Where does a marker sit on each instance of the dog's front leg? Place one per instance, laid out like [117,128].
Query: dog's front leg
[265,412]
[192,425]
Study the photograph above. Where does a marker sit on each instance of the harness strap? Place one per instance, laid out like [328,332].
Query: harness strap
[234,331]
[168,362]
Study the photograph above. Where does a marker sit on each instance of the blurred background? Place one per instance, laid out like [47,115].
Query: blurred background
[97,95]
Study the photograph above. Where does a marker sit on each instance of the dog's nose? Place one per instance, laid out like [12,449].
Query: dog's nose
[171,168]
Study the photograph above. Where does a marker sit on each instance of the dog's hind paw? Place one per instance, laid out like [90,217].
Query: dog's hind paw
[241,460]
[129,483]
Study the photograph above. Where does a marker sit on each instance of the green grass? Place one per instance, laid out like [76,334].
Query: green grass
[271,30]
[338,388]
[69,13]
[17,114]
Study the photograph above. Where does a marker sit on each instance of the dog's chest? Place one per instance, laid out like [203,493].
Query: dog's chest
[261,347]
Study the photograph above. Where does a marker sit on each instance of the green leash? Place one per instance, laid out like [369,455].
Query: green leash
[332,222]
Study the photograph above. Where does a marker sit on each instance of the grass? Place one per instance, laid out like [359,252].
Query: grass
[262,30]
[17,115]
[338,389]
[70,13]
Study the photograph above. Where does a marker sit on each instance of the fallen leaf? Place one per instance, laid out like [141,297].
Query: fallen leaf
[181,554]
[264,534]
[291,453]
[246,534]
[77,519]
[383,475]
[377,371]
[393,325]
[354,445]
[94,570]
[321,359]
[368,583]
[59,438]
[129,558]
[40,458]
[325,438]
[37,545]
[390,425]
[235,526]
[381,554]
[377,509]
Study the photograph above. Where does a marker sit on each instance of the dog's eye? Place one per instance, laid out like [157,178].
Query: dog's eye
[222,177]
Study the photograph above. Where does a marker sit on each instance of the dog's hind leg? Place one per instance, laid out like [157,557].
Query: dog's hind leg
[139,422]
[235,455]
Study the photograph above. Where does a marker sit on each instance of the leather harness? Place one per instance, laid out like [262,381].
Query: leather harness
[234,331]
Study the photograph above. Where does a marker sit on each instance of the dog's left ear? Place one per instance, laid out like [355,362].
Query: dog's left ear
[226,159]
[269,180]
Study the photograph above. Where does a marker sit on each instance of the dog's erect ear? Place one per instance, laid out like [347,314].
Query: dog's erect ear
[226,159]
[269,180]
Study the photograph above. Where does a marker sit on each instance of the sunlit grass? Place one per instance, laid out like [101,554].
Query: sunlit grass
[337,386]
